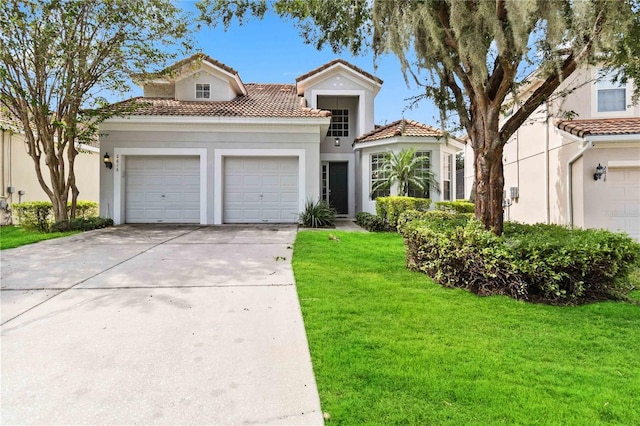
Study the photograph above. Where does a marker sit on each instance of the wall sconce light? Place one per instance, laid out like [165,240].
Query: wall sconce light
[107,161]
[600,172]
[336,141]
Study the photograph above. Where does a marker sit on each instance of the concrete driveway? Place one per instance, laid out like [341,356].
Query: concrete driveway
[156,325]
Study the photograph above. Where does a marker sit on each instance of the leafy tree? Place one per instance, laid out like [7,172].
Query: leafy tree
[471,52]
[56,56]
[406,170]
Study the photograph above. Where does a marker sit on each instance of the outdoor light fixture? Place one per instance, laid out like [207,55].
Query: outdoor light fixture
[600,172]
[107,161]
[336,141]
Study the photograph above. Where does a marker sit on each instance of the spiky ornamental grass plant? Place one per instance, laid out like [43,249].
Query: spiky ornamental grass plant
[408,171]
[317,214]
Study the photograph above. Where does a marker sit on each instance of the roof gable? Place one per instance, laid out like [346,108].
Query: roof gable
[191,65]
[320,73]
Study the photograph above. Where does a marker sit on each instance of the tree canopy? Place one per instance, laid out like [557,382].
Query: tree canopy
[57,57]
[468,56]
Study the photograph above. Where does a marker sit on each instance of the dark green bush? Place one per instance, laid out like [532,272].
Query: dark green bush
[317,214]
[459,206]
[34,215]
[370,222]
[389,209]
[540,263]
[82,224]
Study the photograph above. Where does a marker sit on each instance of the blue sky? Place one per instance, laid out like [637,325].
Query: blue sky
[272,51]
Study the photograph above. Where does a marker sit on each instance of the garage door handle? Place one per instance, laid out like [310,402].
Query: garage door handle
[162,195]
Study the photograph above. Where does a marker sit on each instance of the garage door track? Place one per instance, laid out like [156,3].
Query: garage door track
[156,325]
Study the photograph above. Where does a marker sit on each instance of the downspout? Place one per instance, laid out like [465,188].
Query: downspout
[572,160]
[547,202]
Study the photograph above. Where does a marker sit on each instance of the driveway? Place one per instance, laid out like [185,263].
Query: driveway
[156,325]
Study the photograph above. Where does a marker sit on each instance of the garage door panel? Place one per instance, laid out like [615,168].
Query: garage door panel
[260,189]
[162,189]
[623,203]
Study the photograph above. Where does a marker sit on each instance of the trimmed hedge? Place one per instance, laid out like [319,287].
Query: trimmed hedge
[459,206]
[370,222]
[38,215]
[390,208]
[540,263]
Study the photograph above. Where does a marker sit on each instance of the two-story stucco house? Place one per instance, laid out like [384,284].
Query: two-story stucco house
[201,146]
[583,172]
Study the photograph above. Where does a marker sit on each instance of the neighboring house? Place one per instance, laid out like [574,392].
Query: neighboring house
[550,164]
[18,179]
[201,146]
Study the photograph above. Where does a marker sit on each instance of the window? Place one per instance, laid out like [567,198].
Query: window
[426,166]
[339,126]
[377,176]
[203,91]
[612,97]
[447,174]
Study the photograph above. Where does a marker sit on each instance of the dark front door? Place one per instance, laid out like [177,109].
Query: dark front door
[338,189]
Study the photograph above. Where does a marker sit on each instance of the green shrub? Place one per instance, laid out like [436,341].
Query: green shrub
[459,206]
[84,208]
[540,263]
[370,222]
[390,208]
[38,215]
[82,224]
[34,215]
[317,214]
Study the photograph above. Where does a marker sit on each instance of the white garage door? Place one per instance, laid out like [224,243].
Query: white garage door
[162,189]
[258,190]
[623,210]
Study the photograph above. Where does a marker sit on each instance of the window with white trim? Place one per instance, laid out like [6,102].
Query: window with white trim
[203,91]
[377,176]
[611,97]
[447,176]
[339,126]
[426,166]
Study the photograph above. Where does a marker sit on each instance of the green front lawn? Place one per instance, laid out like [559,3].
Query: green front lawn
[14,236]
[391,347]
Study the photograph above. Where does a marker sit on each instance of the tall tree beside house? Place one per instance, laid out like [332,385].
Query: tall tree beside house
[469,55]
[407,171]
[57,56]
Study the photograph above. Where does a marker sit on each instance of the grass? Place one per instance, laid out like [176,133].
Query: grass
[391,347]
[14,236]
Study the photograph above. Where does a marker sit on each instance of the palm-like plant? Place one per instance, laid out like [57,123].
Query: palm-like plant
[407,170]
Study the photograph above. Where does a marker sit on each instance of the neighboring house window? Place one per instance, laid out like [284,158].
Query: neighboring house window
[612,97]
[339,126]
[447,173]
[377,176]
[203,91]
[414,192]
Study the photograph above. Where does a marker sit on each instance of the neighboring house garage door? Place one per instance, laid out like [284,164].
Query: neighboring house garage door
[260,189]
[162,189]
[623,211]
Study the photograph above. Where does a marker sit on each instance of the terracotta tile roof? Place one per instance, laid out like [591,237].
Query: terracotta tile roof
[601,126]
[400,128]
[338,61]
[195,57]
[261,100]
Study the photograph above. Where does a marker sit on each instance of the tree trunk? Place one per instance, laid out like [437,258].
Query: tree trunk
[489,174]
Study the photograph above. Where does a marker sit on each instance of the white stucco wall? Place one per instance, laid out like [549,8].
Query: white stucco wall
[220,88]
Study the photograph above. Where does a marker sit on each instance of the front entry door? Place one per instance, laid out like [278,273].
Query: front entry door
[338,187]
